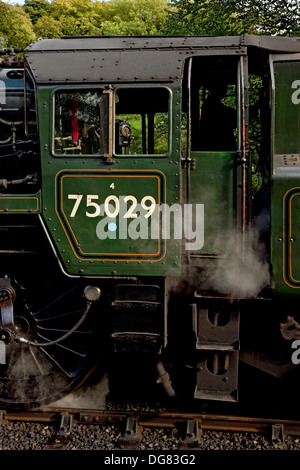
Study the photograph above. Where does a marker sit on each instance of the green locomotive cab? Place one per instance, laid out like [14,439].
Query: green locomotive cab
[112,226]
[160,212]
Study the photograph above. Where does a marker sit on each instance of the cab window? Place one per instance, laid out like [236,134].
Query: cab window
[214,117]
[142,121]
[80,122]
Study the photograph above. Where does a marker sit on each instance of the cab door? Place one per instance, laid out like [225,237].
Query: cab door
[285,206]
[217,149]
[216,179]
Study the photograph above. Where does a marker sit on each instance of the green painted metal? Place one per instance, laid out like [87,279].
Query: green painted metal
[285,201]
[287,104]
[20,203]
[92,181]
[212,183]
[285,240]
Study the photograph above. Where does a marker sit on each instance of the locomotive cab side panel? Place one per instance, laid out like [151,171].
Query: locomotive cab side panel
[215,149]
[106,159]
[285,173]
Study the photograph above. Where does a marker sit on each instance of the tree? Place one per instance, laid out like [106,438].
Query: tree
[48,27]
[134,17]
[69,18]
[203,17]
[15,27]
[88,17]
[36,9]
[233,17]
[280,17]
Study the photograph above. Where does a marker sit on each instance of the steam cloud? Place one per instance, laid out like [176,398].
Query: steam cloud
[92,397]
[243,270]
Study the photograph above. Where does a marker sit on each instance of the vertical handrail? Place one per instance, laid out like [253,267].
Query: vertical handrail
[110,123]
[189,128]
[189,133]
[243,150]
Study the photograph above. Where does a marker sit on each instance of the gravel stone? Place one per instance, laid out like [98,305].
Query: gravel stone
[33,436]
[36,436]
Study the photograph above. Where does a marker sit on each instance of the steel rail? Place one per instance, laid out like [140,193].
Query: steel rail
[154,419]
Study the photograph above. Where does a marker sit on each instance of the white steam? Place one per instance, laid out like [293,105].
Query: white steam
[243,270]
[91,397]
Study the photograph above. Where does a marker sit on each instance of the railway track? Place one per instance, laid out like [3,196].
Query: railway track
[188,426]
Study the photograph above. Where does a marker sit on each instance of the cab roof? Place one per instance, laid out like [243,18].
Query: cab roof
[136,58]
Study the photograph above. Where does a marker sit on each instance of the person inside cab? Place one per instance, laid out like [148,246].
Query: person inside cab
[218,122]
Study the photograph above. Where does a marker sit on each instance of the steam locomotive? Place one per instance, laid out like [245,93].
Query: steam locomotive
[148,206]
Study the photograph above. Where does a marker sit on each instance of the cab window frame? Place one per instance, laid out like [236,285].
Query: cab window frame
[70,89]
[169,112]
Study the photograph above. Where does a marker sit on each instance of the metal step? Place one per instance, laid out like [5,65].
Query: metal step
[210,332]
[214,381]
[216,327]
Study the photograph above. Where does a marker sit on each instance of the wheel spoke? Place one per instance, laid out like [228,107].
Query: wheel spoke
[64,331]
[53,302]
[71,350]
[22,360]
[60,316]
[37,362]
[57,364]
[64,347]
[33,374]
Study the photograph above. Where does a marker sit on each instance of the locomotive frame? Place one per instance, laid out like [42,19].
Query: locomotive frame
[119,197]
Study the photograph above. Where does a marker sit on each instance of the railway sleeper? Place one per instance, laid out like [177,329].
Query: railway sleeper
[192,435]
[61,439]
[132,435]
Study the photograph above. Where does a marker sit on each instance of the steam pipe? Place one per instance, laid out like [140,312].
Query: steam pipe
[91,294]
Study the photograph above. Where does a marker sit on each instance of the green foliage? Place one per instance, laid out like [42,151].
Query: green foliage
[134,17]
[255,131]
[15,26]
[37,8]
[202,17]
[231,17]
[58,18]
[70,18]
[278,17]
[48,27]
[161,133]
